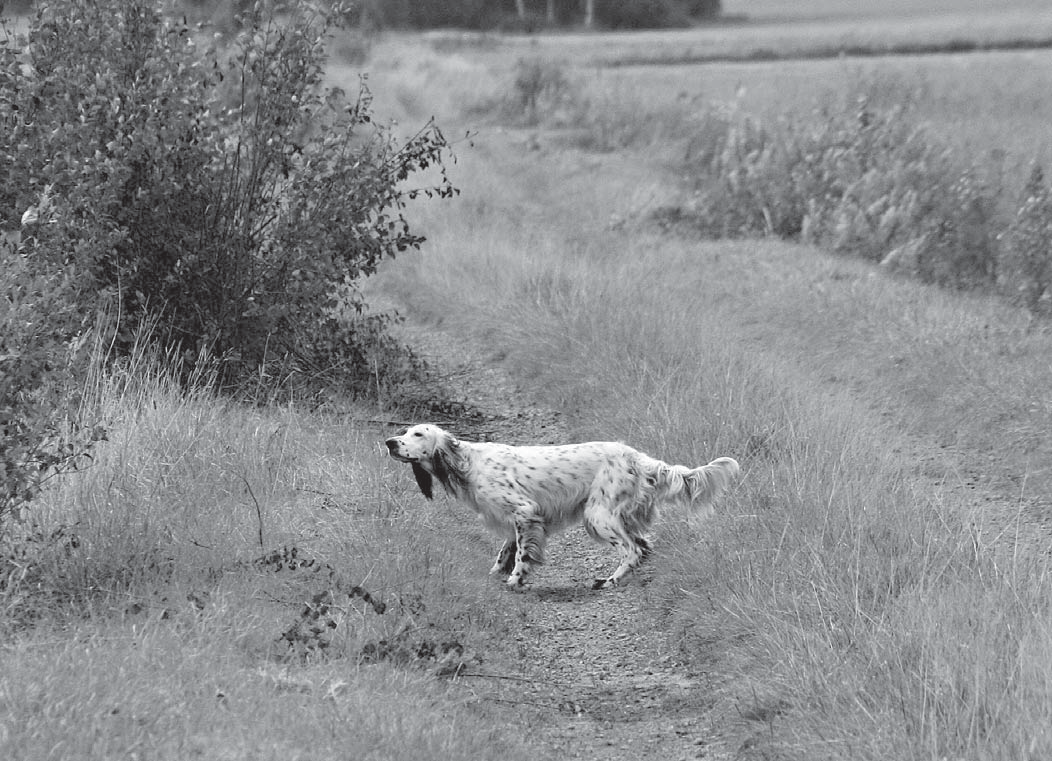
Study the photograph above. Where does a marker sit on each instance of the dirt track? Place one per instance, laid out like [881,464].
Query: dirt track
[591,674]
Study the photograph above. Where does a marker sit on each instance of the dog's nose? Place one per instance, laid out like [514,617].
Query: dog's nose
[392,444]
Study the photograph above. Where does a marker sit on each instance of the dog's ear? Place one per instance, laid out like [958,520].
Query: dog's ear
[445,462]
[440,464]
[423,479]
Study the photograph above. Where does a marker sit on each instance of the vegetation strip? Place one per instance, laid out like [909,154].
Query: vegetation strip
[817,52]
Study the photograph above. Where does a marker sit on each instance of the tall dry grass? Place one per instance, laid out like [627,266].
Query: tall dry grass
[232,581]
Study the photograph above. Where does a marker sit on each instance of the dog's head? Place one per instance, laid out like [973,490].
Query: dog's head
[432,452]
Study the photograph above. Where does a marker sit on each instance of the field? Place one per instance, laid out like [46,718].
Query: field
[878,585]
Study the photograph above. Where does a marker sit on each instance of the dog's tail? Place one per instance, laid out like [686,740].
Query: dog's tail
[697,485]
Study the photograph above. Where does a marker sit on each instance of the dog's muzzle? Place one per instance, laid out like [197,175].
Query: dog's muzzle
[394,448]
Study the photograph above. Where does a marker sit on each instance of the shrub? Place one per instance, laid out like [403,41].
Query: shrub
[852,175]
[1025,271]
[222,188]
[43,357]
[540,90]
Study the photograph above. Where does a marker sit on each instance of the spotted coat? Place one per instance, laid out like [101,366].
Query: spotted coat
[525,494]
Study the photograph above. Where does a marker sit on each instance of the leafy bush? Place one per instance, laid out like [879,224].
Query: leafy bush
[42,361]
[222,188]
[854,176]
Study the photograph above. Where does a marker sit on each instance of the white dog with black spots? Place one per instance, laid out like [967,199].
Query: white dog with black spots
[524,494]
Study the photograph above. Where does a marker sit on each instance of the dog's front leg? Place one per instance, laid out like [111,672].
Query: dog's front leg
[505,561]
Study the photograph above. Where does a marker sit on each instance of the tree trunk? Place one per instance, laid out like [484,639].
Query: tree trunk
[520,8]
[550,12]
[589,14]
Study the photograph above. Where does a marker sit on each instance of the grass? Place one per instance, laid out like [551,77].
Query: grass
[233,582]
[849,577]
[875,588]
[944,91]
[186,691]
[863,158]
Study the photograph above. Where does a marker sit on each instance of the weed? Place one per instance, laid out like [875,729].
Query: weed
[856,176]
[540,88]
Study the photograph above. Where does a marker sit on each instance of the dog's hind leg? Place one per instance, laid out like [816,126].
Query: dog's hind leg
[505,561]
[633,553]
[605,527]
[529,546]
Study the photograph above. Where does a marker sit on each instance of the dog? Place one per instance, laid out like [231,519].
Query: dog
[526,493]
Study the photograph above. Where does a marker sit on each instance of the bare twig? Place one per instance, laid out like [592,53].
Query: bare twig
[259,511]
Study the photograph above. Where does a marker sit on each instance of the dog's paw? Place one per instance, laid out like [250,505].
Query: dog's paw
[516,581]
[604,583]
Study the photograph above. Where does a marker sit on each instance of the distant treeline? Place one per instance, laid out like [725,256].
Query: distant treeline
[531,15]
[505,15]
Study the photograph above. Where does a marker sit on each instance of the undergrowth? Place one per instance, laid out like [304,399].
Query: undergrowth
[863,177]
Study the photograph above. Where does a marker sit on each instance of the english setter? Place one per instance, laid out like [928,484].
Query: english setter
[526,493]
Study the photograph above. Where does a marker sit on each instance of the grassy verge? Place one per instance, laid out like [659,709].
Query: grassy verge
[183,691]
[230,582]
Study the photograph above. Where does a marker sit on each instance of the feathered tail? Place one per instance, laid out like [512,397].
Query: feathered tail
[697,485]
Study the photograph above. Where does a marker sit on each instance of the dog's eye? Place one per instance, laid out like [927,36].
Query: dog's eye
[418,434]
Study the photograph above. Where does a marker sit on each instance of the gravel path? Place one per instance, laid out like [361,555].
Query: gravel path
[590,674]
